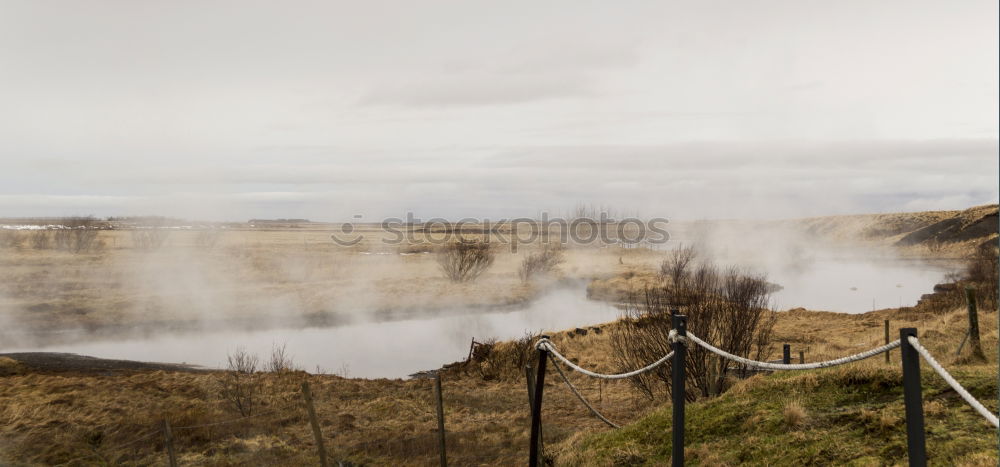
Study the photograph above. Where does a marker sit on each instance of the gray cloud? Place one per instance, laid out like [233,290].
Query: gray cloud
[473,91]
[689,109]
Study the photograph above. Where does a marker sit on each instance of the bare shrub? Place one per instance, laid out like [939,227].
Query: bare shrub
[79,235]
[504,360]
[728,308]
[11,239]
[541,262]
[149,239]
[677,266]
[241,385]
[280,361]
[983,270]
[465,260]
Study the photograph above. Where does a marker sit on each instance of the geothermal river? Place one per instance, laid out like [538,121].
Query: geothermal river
[855,285]
[388,349]
[399,348]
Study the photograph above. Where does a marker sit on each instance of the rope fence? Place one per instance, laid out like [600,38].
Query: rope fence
[792,366]
[547,344]
[680,339]
[580,396]
[972,401]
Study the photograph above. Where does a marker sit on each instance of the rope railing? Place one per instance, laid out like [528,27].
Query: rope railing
[972,401]
[789,366]
[547,344]
[579,396]
[680,340]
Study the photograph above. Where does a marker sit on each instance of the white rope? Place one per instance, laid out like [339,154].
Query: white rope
[954,384]
[793,366]
[580,396]
[545,344]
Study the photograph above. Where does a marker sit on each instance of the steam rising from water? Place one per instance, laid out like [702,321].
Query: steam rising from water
[370,349]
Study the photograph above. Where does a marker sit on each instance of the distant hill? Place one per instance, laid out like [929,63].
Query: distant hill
[944,232]
[279,221]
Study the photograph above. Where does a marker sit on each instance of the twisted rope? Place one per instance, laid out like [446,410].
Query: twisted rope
[545,344]
[580,396]
[978,406]
[793,366]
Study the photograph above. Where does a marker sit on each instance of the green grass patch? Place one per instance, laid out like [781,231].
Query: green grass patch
[841,416]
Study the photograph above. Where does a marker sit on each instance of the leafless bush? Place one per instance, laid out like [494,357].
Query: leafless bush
[677,266]
[280,361]
[79,235]
[729,308]
[11,239]
[149,239]
[983,270]
[504,360]
[541,262]
[241,385]
[465,260]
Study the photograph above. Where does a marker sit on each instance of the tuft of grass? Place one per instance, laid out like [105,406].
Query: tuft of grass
[795,415]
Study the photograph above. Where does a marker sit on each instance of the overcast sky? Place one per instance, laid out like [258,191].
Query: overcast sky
[701,109]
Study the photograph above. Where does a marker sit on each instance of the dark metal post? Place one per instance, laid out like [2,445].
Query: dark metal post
[915,437]
[887,340]
[677,390]
[440,417]
[974,342]
[529,376]
[536,409]
[786,354]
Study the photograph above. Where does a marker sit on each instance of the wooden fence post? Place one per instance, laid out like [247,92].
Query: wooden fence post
[677,390]
[317,434]
[802,357]
[974,342]
[536,409]
[440,416]
[915,437]
[168,441]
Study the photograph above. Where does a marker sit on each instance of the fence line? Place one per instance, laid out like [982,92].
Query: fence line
[978,406]
[791,366]
[580,396]
[680,340]
[545,342]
